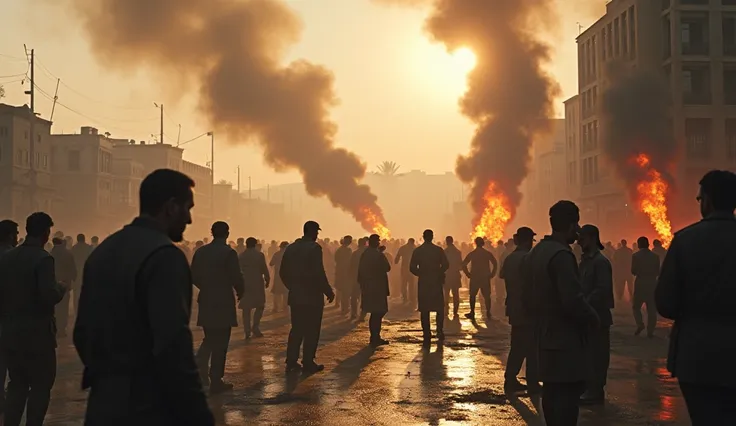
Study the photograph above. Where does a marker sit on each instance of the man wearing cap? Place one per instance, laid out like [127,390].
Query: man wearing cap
[373,279]
[483,267]
[303,273]
[429,263]
[596,276]
[452,282]
[645,266]
[522,325]
[553,294]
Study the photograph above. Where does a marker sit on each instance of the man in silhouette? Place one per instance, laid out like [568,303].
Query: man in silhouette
[659,250]
[65,270]
[94,242]
[373,279]
[622,271]
[596,276]
[216,273]
[408,281]
[522,325]
[132,332]
[429,264]
[29,292]
[8,241]
[343,284]
[696,289]
[553,294]
[81,252]
[483,267]
[354,285]
[452,280]
[304,275]
[240,246]
[645,267]
[278,289]
[256,278]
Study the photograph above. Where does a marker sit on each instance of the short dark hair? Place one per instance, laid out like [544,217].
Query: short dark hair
[642,242]
[563,214]
[479,241]
[657,243]
[57,241]
[449,239]
[161,186]
[411,240]
[251,242]
[428,234]
[241,240]
[37,224]
[81,238]
[220,229]
[720,187]
[7,229]
[95,238]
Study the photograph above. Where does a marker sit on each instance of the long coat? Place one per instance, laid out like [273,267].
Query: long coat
[354,286]
[456,265]
[278,284]
[342,268]
[429,263]
[216,273]
[373,279]
[256,277]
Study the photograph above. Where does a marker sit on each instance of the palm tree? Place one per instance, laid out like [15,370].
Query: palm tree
[388,168]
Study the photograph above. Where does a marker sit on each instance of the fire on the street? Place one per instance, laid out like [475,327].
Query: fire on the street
[496,215]
[375,224]
[652,200]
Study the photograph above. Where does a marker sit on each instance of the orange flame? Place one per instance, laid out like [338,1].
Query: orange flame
[495,217]
[373,223]
[653,199]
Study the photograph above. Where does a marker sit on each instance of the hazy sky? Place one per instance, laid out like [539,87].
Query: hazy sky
[398,91]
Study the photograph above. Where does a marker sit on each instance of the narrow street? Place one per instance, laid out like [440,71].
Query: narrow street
[400,384]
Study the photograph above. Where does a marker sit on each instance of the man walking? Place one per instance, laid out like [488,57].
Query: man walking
[132,332]
[429,264]
[645,267]
[256,278]
[216,273]
[66,273]
[304,275]
[622,272]
[452,281]
[373,279]
[483,267]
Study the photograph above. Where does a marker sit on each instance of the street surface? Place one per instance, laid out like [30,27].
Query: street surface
[401,384]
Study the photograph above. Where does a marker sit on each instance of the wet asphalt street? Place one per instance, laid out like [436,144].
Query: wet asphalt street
[401,384]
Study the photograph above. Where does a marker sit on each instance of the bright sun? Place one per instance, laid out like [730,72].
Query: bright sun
[439,73]
[464,59]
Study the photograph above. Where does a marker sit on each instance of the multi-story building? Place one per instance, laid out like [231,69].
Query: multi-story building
[25,171]
[127,177]
[692,45]
[572,154]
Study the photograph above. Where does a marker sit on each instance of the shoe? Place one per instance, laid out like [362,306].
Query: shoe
[310,368]
[257,333]
[513,387]
[639,329]
[292,367]
[470,315]
[220,387]
[488,314]
[592,398]
[379,342]
[247,336]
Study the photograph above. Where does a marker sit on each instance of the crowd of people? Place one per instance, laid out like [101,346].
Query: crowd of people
[132,296]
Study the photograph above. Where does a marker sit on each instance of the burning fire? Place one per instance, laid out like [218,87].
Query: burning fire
[496,215]
[653,199]
[374,223]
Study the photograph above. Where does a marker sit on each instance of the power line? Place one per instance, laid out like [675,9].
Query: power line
[193,139]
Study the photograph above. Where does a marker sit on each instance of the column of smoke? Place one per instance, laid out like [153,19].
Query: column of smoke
[509,95]
[231,51]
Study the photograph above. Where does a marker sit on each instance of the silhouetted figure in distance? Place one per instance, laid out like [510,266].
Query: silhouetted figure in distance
[429,264]
[645,267]
[373,279]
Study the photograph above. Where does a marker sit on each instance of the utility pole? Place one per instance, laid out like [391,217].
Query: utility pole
[249,188]
[161,135]
[238,181]
[32,119]
[212,170]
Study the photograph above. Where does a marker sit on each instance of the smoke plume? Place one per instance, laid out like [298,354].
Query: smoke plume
[231,51]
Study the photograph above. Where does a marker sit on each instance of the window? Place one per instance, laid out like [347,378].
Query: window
[616,38]
[603,40]
[594,57]
[594,132]
[610,41]
[25,157]
[74,160]
[729,34]
[2,151]
[37,160]
[632,32]
[696,84]
[45,162]
[19,157]
[729,84]
[731,137]
[624,35]
[694,34]
[697,134]
[38,137]
[694,2]
[26,134]
[595,169]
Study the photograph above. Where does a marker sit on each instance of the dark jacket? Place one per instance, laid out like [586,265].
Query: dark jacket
[429,263]
[697,290]
[216,273]
[132,332]
[278,286]
[373,279]
[304,275]
[622,261]
[342,268]
[65,267]
[553,294]
[511,273]
[81,252]
[256,277]
[455,259]
[645,266]
[354,287]
[28,294]
[596,278]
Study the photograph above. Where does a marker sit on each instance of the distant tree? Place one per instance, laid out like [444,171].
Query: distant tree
[224,182]
[388,168]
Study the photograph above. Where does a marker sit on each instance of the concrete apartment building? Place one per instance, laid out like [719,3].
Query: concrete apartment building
[692,44]
[19,196]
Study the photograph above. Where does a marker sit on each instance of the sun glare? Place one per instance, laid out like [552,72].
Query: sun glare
[464,59]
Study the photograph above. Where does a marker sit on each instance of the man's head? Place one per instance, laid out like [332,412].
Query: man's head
[411,241]
[81,238]
[9,233]
[251,242]
[273,243]
[642,243]
[590,239]
[374,241]
[362,241]
[284,244]
[624,243]
[69,241]
[220,230]
[311,230]
[241,241]
[524,237]
[657,243]
[168,197]
[449,240]
[347,240]
[428,235]
[717,192]
[479,242]
[56,241]
[564,217]
[38,226]
[95,240]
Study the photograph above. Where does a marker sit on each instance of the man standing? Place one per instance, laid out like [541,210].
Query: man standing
[373,279]
[452,281]
[342,273]
[81,252]
[132,332]
[354,285]
[596,276]
[65,270]
[256,277]
[95,241]
[408,283]
[278,290]
[622,271]
[216,273]
[553,294]
[645,267]
[8,241]
[696,289]
[29,292]
[522,325]
[304,275]
[429,264]
[659,250]
[483,267]
[240,246]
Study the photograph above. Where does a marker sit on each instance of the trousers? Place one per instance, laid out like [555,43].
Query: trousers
[708,404]
[306,324]
[427,327]
[560,403]
[522,348]
[408,287]
[61,313]
[32,375]
[620,281]
[484,286]
[374,325]
[213,352]
[599,347]
[638,302]
[257,315]
[455,299]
